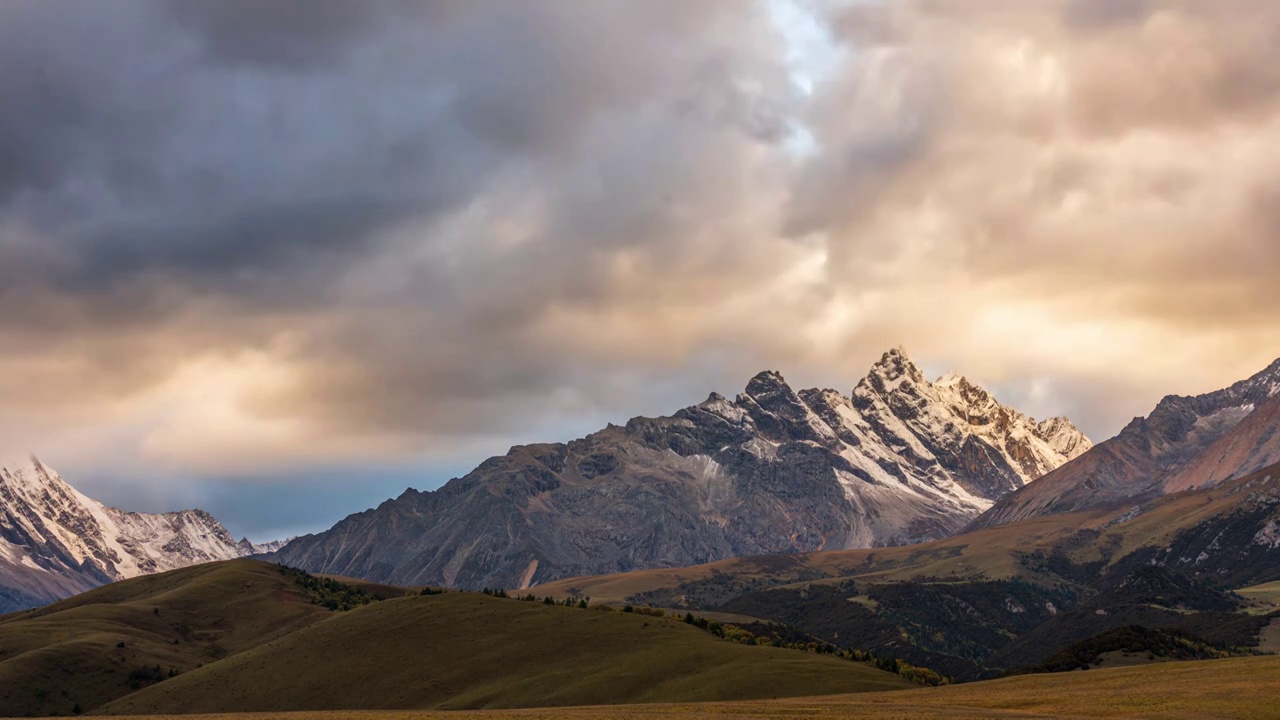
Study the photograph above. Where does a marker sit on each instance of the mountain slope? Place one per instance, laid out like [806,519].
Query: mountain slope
[55,541]
[900,460]
[1009,596]
[1185,442]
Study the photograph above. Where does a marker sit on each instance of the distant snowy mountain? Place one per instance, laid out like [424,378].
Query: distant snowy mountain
[900,460]
[55,541]
[247,547]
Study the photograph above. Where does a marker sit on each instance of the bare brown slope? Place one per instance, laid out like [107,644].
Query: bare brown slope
[1118,470]
[1250,446]
[1163,452]
[1088,535]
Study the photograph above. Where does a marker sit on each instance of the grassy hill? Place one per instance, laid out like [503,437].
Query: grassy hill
[245,634]
[466,650]
[108,642]
[1239,688]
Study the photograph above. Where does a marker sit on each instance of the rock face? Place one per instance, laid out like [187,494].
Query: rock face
[55,542]
[1185,443]
[901,460]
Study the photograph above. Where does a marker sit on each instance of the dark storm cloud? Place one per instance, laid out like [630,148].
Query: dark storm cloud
[382,206]
[293,34]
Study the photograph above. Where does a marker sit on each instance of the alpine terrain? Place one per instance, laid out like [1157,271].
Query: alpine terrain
[1185,443]
[900,460]
[56,542]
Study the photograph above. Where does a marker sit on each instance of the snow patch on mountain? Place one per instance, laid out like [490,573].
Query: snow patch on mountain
[49,528]
[949,441]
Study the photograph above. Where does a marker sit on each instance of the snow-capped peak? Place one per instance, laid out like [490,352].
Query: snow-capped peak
[247,547]
[48,526]
[892,370]
[949,438]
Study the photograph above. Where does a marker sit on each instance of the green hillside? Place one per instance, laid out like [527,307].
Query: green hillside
[466,650]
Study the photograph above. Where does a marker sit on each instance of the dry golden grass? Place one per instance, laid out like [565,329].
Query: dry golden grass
[82,651]
[1244,688]
[466,650]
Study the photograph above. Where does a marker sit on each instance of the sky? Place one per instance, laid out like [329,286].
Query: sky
[282,260]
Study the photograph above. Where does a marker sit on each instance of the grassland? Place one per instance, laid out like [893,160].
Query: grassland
[1234,688]
[108,642]
[246,635]
[1265,598]
[1266,594]
[465,650]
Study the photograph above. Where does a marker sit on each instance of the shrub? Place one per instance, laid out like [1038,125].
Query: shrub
[332,594]
[142,676]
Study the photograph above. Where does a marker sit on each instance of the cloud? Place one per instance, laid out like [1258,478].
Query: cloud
[240,238]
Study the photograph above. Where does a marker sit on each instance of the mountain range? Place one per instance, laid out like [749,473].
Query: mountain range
[899,460]
[55,541]
[910,519]
[1185,443]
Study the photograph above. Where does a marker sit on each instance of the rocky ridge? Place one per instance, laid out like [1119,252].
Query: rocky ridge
[899,460]
[1185,443]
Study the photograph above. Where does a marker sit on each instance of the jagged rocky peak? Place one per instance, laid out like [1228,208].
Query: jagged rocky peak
[247,547]
[777,411]
[967,395]
[1063,436]
[769,388]
[892,371]
[773,470]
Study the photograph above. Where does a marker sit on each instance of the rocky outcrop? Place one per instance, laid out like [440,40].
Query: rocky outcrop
[900,460]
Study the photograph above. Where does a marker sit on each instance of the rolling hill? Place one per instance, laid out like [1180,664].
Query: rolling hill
[109,642]
[247,635]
